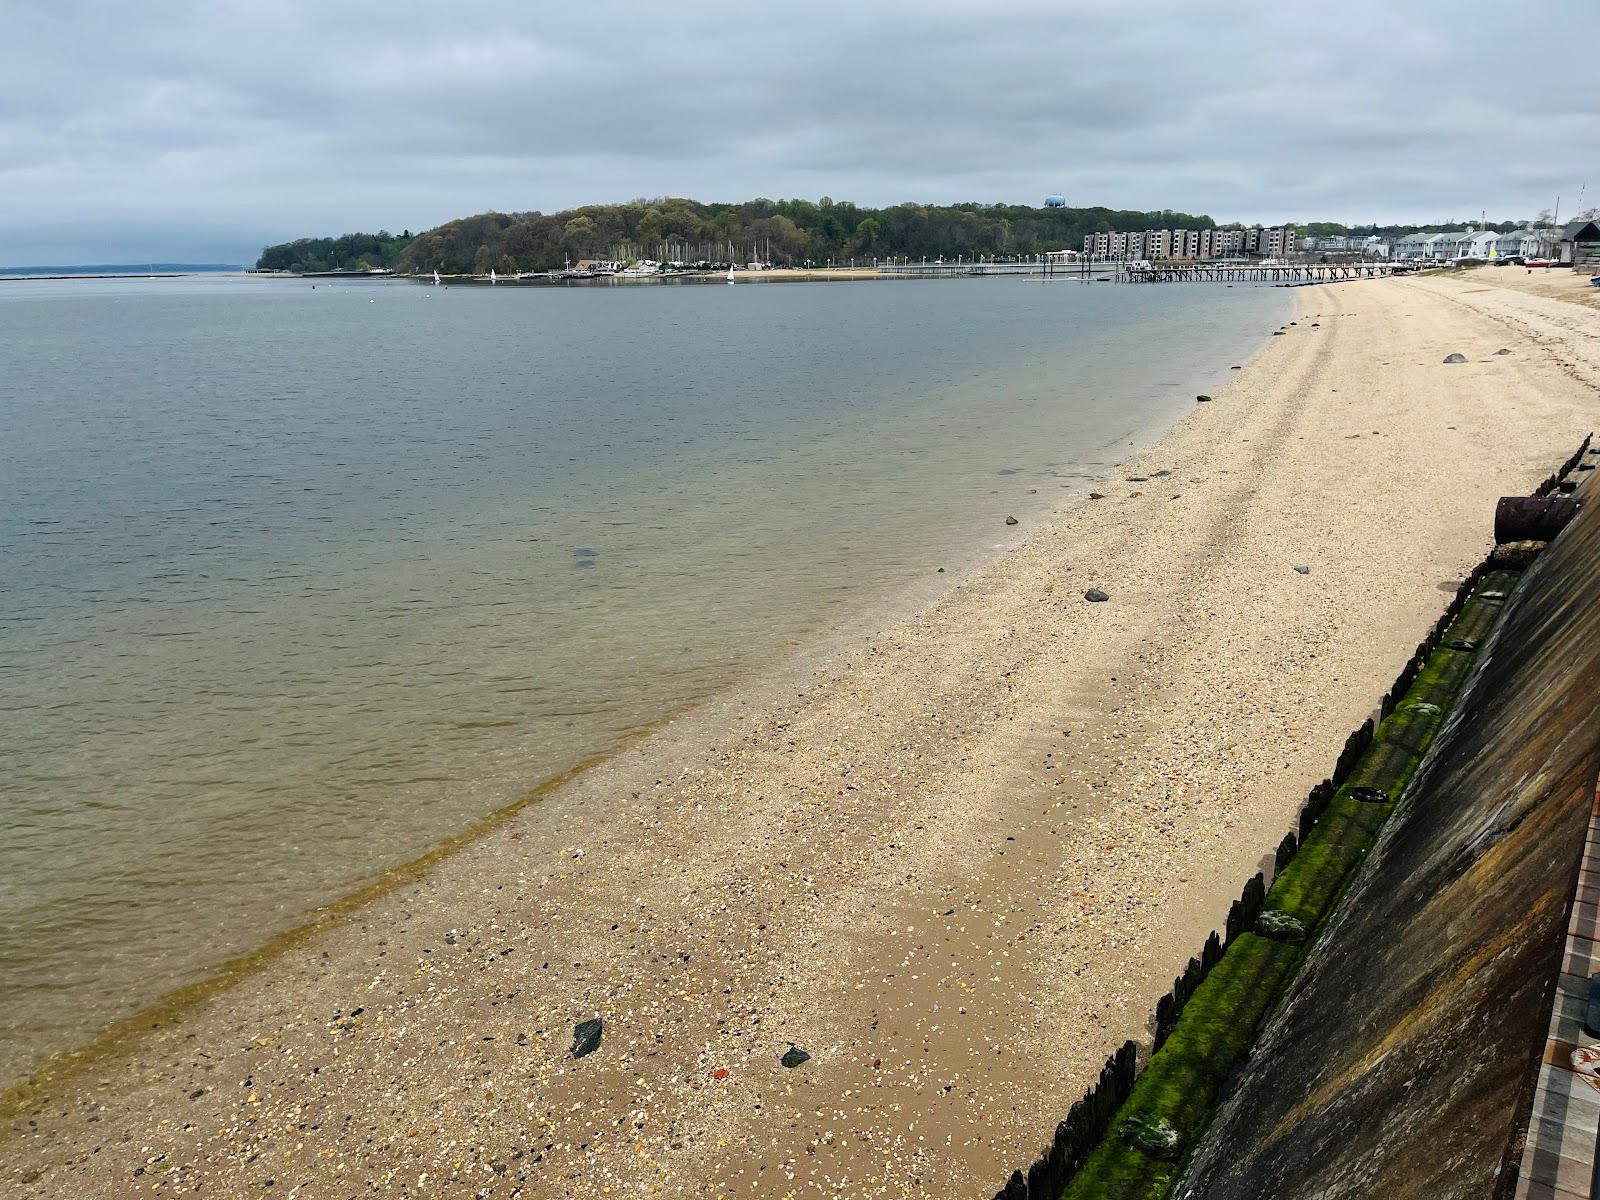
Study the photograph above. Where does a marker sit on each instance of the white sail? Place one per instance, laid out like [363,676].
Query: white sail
[730,274]
[492,279]
[436,277]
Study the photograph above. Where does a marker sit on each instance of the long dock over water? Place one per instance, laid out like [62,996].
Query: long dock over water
[1258,272]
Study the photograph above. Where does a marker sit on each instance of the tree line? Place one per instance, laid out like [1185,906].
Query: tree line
[783,232]
[352,252]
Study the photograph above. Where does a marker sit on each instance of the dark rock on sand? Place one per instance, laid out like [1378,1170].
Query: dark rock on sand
[1502,351]
[586,1036]
[1455,358]
[1096,596]
[1011,520]
[794,1056]
[1097,495]
[1303,570]
[1206,399]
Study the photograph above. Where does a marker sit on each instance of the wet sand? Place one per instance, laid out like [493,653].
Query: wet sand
[956,862]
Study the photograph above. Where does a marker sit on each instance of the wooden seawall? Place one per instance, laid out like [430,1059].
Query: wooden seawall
[1405,1062]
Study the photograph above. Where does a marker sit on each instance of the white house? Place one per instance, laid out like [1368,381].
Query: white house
[1412,245]
[1440,247]
[1460,244]
[1527,242]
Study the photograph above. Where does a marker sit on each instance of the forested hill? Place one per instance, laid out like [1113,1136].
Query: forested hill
[781,231]
[352,252]
[786,232]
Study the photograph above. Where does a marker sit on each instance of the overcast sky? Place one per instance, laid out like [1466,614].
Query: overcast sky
[200,131]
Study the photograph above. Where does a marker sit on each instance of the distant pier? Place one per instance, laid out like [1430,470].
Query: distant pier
[1258,272]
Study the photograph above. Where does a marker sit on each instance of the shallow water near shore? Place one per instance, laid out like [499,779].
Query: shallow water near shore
[301,581]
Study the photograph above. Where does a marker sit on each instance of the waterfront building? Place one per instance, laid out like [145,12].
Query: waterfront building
[1530,241]
[1580,244]
[1412,246]
[1158,244]
[1440,247]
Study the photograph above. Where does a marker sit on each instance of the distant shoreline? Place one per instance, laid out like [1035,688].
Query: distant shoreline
[130,275]
[154,270]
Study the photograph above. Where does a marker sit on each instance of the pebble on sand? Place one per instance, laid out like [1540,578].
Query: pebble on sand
[1202,399]
[794,1056]
[1303,570]
[586,1036]
[1011,520]
[1096,596]
[1455,358]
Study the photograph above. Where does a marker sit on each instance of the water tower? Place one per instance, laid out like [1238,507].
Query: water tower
[1055,201]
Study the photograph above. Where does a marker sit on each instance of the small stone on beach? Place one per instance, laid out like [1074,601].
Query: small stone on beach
[586,1036]
[1097,495]
[1011,520]
[794,1056]
[1202,399]
[1303,570]
[1096,596]
[1455,358]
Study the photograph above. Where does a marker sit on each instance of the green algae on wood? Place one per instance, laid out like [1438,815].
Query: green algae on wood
[1172,1101]
[1181,1083]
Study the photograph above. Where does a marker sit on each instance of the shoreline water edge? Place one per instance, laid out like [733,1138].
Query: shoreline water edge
[445,654]
[954,860]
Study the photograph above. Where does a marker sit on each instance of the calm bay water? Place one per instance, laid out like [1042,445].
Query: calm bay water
[297,582]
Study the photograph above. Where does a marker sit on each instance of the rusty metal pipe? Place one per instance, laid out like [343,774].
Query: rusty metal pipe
[1532,518]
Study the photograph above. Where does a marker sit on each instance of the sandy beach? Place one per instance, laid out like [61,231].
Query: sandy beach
[955,862]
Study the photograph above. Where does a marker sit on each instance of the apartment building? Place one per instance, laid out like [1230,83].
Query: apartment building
[1155,244]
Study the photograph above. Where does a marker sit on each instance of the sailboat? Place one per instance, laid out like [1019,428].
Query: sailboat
[730,274]
[436,277]
[492,279]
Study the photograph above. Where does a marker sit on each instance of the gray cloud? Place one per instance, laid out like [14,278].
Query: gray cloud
[203,129]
